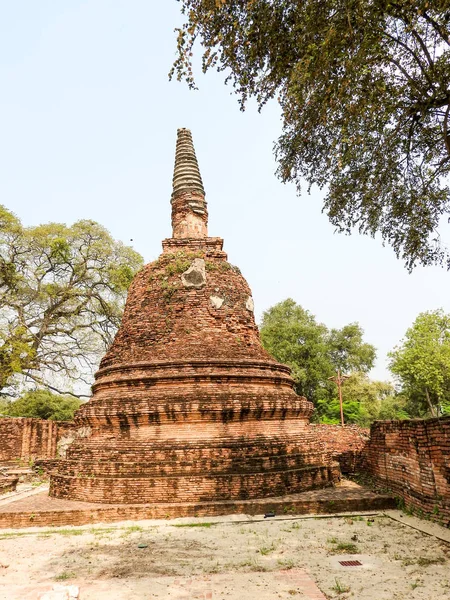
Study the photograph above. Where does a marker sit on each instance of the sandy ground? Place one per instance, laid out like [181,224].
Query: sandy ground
[228,559]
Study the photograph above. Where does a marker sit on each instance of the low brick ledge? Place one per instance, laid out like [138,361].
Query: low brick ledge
[41,510]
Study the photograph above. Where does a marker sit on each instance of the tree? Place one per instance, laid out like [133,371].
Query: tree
[364,88]
[62,292]
[422,363]
[364,401]
[292,335]
[394,407]
[42,404]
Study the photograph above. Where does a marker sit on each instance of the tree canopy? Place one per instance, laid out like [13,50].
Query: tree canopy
[294,337]
[62,292]
[364,89]
[422,364]
[42,404]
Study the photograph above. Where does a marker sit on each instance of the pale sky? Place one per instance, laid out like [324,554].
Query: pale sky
[88,124]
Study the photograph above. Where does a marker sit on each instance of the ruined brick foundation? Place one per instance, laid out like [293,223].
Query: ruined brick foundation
[412,458]
[25,439]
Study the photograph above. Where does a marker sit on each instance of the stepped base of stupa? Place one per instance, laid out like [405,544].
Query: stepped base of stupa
[193,431]
[40,510]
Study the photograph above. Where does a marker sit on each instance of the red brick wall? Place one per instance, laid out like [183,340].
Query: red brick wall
[343,444]
[412,458]
[27,439]
[11,434]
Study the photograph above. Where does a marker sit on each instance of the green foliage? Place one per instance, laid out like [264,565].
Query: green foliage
[3,407]
[363,87]
[422,364]
[394,407]
[294,337]
[62,292]
[42,404]
[364,401]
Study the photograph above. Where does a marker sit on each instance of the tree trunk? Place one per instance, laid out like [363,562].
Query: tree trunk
[433,414]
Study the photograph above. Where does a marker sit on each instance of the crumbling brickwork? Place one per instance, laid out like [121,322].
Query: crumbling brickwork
[346,445]
[412,458]
[26,439]
[187,406]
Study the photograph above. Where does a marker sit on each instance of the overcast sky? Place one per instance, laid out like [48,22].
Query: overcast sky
[88,124]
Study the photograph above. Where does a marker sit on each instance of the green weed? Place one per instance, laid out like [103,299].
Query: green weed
[345,547]
[193,524]
[340,588]
[65,575]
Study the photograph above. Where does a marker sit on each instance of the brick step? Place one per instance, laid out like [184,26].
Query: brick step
[22,474]
[224,443]
[135,488]
[161,467]
[41,511]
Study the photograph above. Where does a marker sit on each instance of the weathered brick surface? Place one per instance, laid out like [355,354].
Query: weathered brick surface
[27,439]
[187,406]
[413,459]
[8,484]
[345,445]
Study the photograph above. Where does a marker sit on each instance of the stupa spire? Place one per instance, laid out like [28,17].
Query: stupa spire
[189,212]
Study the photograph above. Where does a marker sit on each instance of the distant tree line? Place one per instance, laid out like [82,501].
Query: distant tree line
[420,364]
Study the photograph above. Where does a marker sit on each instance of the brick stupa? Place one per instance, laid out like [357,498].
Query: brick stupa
[187,406]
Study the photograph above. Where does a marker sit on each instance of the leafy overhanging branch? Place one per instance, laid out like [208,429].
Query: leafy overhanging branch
[364,87]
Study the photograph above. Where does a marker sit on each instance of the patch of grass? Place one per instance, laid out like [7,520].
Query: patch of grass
[286,563]
[70,532]
[424,561]
[296,526]
[252,564]
[134,529]
[339,587]
[65,575]
[267,549]
[102,531]
[415,584]
[46,532]
[216,568]
[193,525]
[345,547]
[332,540]
[217,266]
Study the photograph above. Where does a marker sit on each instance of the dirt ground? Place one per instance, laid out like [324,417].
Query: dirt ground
[232,558]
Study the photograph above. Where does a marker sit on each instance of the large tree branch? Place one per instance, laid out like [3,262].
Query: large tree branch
[413,54]
[55,389]
[443,34]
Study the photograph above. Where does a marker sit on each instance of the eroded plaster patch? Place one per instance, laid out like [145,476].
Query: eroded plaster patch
[250,305]
[216,302]
[195,276]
